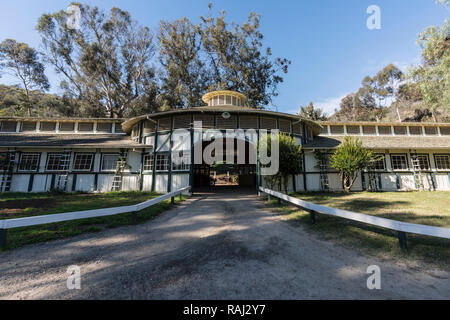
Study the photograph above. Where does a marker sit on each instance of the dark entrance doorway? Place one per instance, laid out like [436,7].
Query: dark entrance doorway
[223,174]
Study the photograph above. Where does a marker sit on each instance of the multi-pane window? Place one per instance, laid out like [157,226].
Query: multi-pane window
[379,164]
[47,126]
[105,127]
[58,161]
[399,162]
[85,126]
[384,130]
[8,126]
[442,161]
[7,160]
[181,160]
[369,130]
[353,130]
[445,131]
[29,162]
[67,126]
[423,161]
[148,162]
[162,161]
[415,130]
[109,162]
[28,126]
[431,131]
[83,161]
[118,127]
[337,129]
[399,130]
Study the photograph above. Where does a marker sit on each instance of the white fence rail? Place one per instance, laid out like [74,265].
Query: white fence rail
[77,215]
[401,227]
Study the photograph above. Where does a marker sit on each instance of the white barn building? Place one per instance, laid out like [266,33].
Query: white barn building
[99,155]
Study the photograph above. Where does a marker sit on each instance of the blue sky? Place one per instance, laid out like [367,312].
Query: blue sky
[328,42]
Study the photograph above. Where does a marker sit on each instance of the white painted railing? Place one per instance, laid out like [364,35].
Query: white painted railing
[77,215]
[401,227]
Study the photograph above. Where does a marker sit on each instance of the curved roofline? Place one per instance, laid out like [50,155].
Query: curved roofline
[208,96]
[128,124]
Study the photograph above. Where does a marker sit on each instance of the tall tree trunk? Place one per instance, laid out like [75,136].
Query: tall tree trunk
[398,114]
[434,116]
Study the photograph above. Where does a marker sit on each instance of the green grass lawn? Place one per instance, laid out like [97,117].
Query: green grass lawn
[429,208]
[18,205]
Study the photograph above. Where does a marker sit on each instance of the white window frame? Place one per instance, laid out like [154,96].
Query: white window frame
[419,155]
[382,160]
[92,155]
[400,155]
[185,164]
[102,163]
[437,163]
[60,168]
[164,162]
[38,155]
[148,158]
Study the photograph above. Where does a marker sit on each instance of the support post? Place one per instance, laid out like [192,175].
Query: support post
[279,201]
[134,216]
[172,200]
[312,216]
[181,196]
[3,238]
[402,240]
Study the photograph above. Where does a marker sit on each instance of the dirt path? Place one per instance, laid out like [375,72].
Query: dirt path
[223,246]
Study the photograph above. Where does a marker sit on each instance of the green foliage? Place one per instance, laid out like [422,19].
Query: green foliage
[216,55]
[349,159]
[22,62]
[313,113]
[433,76]
[290,157]
[106,63]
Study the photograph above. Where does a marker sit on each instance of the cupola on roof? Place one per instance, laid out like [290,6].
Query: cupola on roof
[225,98]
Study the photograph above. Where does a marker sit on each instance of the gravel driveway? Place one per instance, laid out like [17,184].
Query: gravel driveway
[213,246]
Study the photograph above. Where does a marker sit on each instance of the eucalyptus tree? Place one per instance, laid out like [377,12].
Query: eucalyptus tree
[313,113]
[237,60]
[433,75]
[183,75]
[22,62]
[105,62]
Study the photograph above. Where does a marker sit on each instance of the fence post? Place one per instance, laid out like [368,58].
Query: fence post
[279,201]
[172,200]
[402,240]
[181,196]
[312,216]
[134,216]
[3,233]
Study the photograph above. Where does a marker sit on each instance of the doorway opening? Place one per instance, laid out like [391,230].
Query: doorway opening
[222,174]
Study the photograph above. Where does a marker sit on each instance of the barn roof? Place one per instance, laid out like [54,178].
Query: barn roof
[383,142]
[69,140]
